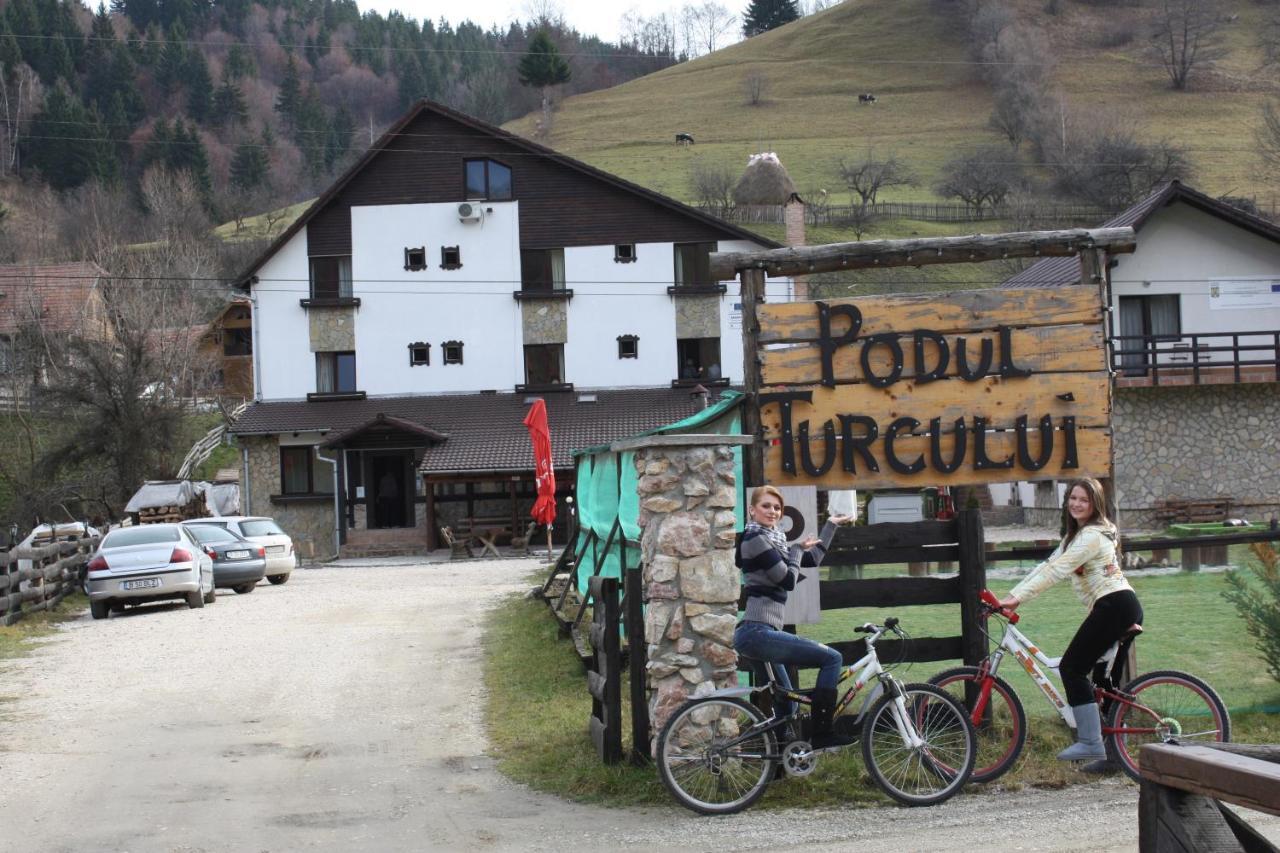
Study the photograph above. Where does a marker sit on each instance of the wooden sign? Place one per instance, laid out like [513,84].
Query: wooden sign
[936,389]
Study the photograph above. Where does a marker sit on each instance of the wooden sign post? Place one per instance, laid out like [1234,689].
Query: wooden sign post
[959,388]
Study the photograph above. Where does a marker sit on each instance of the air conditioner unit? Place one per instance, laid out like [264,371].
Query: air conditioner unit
[470,212]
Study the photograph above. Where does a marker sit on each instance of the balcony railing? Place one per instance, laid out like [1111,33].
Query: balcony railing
[1198,359]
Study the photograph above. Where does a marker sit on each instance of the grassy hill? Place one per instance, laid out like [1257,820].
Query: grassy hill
[932,101]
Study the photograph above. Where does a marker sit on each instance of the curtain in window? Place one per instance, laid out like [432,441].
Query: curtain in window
[324,373]
[1132,328]
[557,269]
[680,274]
[1165,319]
[293,470]
[344,278]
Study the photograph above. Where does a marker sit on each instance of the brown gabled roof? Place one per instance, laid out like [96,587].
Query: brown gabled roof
[57,296]
[383,419]
[519,141]
[1051,272]
[486,432]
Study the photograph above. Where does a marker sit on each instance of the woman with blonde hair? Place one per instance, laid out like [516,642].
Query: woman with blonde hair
[770,568]
[1087,555]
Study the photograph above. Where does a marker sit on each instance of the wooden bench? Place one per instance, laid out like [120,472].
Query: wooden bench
[458,547]
[1183,510]
[483,532]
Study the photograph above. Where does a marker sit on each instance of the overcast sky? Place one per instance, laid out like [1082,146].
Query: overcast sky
[593,17]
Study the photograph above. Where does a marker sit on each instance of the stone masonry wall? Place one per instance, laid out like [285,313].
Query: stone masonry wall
[687,498]
[309,523]
[544,321]
[332,329]
[1197,442]
[697,316]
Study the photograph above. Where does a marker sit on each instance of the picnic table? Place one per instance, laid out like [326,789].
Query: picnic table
[483,531]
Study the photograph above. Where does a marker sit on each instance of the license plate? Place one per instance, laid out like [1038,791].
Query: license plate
[237,555]
[275,549]
[144,583]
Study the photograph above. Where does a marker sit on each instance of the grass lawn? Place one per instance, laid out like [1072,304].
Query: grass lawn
[539,706]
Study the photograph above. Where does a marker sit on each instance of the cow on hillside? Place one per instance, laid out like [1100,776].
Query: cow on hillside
[866,98]
[684,139]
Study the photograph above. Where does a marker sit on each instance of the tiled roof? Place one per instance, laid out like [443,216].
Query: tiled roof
[486,432]
[57,294]
[1052,272]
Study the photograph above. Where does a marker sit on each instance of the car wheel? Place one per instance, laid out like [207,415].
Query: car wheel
[244,588]
[211,596]
[195,600]
[99,609]
[278,579]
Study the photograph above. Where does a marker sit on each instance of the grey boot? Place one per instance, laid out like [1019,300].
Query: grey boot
[1088,745]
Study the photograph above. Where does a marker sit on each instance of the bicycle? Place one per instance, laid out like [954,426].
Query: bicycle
[717,754]
[1156,707]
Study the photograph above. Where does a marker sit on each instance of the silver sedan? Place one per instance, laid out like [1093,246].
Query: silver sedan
[148,562]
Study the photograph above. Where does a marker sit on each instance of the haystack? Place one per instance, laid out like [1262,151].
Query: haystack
[765,181]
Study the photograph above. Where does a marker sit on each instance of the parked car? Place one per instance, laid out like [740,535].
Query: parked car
[281,558]
[148,562]
[237,563]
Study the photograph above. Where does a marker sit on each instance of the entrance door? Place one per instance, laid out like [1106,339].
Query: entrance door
[387,488]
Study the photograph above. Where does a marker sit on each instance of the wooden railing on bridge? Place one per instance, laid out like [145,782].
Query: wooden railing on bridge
[1183,789]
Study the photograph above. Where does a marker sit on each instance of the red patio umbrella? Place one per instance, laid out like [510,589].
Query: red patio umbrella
[544,509]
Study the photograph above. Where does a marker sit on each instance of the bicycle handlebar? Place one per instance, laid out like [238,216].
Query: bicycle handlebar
[991,604]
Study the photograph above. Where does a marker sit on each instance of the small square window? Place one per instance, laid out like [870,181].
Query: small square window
[415,259]
[628,346]
[450,257]
[419,353]
[624,253]
[452,352]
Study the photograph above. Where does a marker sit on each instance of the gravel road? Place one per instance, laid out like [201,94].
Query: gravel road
[338,712]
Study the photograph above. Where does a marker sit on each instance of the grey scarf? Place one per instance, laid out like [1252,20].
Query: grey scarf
[775,536]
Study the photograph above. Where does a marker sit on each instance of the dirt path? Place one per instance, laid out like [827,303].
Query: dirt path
[338,712]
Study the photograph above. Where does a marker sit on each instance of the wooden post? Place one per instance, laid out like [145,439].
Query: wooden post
[973,579]
[605,682]
[752,293]
[637,658]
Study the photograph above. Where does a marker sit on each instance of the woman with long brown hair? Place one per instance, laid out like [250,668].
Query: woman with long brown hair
[1087,555]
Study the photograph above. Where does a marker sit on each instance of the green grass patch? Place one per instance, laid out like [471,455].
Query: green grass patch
[15,639]
[539,707]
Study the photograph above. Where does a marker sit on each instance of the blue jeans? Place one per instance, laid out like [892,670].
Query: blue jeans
[761,642]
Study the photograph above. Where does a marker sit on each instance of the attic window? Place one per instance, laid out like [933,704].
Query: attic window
[624,253]
[415,259]
[419,353]
[587,398]
[628,346]
[450,257]
[452,352]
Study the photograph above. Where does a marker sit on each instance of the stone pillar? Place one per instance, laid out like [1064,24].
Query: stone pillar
[688,491]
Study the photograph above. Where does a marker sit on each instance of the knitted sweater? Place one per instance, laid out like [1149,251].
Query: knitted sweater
[1093,549]
[768,575]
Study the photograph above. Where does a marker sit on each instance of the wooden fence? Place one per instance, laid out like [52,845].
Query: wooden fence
[53,574]
[604,678]
[844,214]
[1183,788]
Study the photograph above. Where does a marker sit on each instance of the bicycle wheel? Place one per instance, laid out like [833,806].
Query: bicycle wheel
[706,762]
[1166,704]
[931,772]
[999,730]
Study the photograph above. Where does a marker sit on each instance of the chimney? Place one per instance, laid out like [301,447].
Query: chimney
[793,217]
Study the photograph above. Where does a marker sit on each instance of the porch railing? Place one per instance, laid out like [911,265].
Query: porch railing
[1204,358]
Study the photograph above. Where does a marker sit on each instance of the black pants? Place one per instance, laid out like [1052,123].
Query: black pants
[1105,624]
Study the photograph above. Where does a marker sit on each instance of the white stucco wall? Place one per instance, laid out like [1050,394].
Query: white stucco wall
[1182,250]
[475,305]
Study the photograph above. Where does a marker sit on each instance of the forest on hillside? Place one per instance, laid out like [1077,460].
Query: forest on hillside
[261,101]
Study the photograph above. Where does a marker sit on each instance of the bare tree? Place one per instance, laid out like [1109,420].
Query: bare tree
[710,25]
[20,97]
[1188,33]
[1017,111]
[867,176]
[981,179]
[712,185]
[754,85]
[1116,168]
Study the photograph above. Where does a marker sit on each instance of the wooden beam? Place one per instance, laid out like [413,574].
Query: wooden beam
[752,293]
[976,248]
[1238,779]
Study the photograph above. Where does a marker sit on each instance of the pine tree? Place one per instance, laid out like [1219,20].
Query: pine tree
[10,52]
[188,153]
[338,141]
[158,146]
[229,105]
[764,15]
[22,18]
[310,130]
[543,67]
[249,166]
[124,82]
[57,64]
[411,84]
[290,96]
[199,86]
[239,63]
[69,148]
[173,58]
